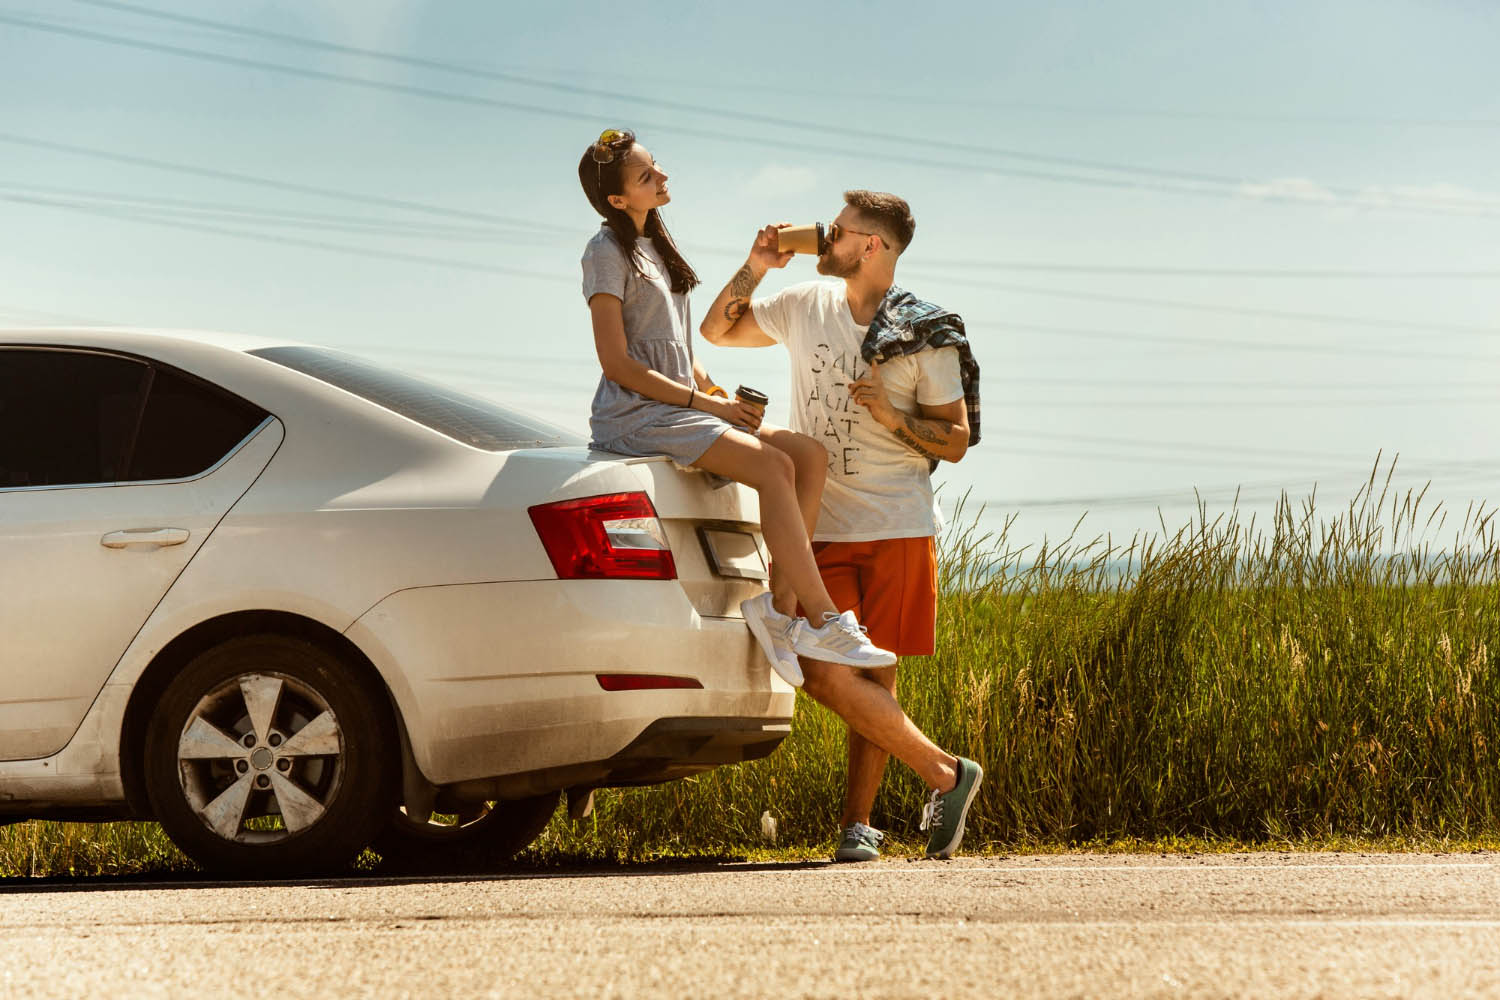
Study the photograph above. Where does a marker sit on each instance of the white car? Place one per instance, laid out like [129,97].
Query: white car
[289,603]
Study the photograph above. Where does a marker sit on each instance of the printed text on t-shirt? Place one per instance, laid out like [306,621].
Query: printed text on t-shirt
[834,416]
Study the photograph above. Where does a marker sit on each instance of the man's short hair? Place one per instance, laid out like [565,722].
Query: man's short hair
[889,215]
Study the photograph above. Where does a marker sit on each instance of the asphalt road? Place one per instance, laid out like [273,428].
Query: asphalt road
[1322,925]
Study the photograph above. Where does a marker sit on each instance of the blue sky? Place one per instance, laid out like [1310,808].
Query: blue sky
[1195,244]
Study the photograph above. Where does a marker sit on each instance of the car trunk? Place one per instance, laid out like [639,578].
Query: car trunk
[713,531]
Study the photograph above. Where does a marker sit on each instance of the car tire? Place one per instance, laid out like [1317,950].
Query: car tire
[457,842]
[268,756]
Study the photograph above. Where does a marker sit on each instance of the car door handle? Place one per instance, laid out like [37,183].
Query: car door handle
[157,537]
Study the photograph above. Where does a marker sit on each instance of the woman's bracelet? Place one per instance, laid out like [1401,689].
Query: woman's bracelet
[692,394]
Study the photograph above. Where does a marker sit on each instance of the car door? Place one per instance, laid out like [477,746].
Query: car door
[113,471]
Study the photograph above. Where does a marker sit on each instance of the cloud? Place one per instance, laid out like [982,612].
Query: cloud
[1439,197]
[775,180]
[1287,188]
[1440,194]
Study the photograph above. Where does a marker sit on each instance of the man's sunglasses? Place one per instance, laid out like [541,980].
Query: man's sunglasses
[834,231]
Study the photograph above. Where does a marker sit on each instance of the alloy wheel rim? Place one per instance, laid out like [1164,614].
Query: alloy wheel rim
[260,758]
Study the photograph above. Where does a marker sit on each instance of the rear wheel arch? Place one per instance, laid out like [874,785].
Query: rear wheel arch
[153,681]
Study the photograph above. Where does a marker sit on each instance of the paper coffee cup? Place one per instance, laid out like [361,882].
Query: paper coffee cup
[801,239]
[754,397]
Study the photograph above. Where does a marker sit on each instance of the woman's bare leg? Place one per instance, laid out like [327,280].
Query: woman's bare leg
[810,462]
[772,473]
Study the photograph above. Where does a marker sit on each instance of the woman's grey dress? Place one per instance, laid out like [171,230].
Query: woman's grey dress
[657,334]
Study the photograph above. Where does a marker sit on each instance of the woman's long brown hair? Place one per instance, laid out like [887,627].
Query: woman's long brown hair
[600,180]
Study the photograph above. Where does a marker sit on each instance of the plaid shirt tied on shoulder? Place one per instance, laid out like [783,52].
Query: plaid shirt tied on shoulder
[904,324]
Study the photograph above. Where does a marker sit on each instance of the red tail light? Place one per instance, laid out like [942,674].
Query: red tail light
[615,536]
[644,682]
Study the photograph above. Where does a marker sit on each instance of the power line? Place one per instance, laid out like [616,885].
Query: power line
[178,223]
[1262,385]
[670,105]
[258,215]
[1095,111]
[289,187]
[1009,378]
[1172,181]
[137,216]
[408,205]
[508,227]
[493,103]
[1073,455]
[1053,403]
[1176,447]
[1244,493]
[1207,272]
[371,252]
[1190,115]
[970,264]
[536,230]
[1281,347]
[1181,305]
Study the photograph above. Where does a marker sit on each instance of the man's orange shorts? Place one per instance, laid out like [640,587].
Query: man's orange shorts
[891,586]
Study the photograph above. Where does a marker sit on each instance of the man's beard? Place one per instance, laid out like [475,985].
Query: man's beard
[831,266]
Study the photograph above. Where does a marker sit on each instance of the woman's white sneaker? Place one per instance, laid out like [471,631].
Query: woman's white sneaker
[771,628]
[840,639]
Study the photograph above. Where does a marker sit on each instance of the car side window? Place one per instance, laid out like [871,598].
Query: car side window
[187,427]
[67,417]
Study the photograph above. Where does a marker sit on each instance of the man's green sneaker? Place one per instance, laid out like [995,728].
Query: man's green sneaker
[945,813]
[859,843]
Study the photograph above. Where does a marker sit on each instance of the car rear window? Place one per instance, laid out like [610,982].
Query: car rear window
[187,426]
[467,419]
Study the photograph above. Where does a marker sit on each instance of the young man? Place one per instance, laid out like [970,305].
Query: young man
[887,384]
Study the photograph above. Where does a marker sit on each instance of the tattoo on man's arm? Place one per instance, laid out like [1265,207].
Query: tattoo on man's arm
[739,289]
[905,437]
[921,430]
[743,283]
[920,436]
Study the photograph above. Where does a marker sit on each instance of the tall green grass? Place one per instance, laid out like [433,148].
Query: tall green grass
[1317,677]
[1322,676]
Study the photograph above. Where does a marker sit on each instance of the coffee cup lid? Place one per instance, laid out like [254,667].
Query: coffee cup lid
[750,395]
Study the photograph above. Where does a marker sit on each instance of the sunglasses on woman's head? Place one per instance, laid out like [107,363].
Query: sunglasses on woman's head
[611,143]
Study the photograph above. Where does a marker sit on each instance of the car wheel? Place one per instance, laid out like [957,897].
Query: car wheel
[266,756]
[478,836]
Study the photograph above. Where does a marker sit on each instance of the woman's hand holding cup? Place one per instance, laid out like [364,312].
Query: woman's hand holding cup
[737,412]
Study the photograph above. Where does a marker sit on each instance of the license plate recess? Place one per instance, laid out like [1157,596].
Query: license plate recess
[733,552]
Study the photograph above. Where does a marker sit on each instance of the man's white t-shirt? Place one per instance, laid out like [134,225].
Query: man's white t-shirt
[877,487]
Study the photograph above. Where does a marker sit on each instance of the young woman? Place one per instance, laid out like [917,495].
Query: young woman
[655,398]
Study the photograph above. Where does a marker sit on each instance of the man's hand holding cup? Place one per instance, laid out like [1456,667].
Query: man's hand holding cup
[764,255]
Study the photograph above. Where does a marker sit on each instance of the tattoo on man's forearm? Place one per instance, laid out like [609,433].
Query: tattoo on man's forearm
[743,283]
[922,431]
[921,448]
[739,289]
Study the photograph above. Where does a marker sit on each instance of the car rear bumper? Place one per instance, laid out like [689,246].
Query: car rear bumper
[668,749]
[500,680]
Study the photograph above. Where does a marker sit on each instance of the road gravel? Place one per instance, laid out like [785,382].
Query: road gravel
[1247,925]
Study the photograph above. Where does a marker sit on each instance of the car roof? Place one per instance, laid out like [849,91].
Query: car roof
[221,358]
[133,340]
[225,359]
